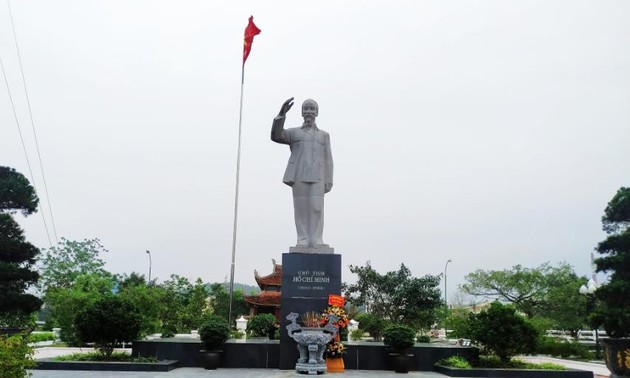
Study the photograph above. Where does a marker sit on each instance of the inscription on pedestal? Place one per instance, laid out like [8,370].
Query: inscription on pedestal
[307,275]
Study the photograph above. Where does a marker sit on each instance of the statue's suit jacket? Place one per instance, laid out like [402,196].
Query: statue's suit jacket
[311,158]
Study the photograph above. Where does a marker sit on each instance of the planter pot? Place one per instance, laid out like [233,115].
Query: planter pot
[335,365]
[617,356]
[401,363]
[211,359]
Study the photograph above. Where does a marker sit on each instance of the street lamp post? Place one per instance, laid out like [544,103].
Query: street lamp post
[589,290]
[150,263]
[445,287]
[445,299]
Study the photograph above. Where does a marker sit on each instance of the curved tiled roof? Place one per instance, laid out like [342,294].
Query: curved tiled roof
[264,298]
[273,279]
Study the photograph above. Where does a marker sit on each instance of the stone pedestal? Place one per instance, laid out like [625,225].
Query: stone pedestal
[307,280]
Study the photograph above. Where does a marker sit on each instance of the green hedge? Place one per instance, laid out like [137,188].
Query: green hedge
[560,348]
[41,336]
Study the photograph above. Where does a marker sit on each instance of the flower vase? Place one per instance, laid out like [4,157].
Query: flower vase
[335,365]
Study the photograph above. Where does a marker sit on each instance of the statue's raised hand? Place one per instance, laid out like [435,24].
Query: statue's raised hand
[285,107]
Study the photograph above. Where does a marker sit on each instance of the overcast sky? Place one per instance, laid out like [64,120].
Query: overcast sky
[492,133]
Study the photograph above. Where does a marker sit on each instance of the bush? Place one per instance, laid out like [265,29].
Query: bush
[262,325]
[560,348]
[424,339]
[399,338]
[372,324]
[456,362]
[502,332]
[213,333]
[41,336]
[357,334]
[236,334]
[15,356]
[108,321]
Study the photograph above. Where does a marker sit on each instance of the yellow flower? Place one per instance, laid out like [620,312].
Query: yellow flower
[627,358]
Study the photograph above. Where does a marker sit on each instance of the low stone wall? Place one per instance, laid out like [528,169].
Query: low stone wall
[265,354]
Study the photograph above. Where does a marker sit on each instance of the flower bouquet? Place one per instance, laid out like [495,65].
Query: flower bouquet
[335,349]
[338,312]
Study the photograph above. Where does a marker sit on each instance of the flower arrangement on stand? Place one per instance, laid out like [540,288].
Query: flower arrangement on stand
[335,349]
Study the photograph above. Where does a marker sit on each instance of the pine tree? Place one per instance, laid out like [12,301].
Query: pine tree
[17,256]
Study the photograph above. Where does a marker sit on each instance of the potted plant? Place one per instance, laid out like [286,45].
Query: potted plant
[213,334]
[614,296]
[399,338]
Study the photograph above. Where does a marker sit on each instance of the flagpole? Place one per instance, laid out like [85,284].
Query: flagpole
[238,169]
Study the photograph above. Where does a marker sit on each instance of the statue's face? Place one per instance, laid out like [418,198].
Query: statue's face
[310,109]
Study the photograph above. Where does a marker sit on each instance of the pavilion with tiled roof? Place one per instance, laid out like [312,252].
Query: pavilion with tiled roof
[268,300]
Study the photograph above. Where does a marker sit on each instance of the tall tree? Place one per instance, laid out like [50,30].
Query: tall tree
[220,301]
[613,310]
[547,291]
[65,303]
[17,256]
[63,264]
[397,296]
[148,298]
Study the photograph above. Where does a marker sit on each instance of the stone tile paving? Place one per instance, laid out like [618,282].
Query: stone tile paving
[221,373]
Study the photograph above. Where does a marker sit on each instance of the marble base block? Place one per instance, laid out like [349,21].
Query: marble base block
[319,249]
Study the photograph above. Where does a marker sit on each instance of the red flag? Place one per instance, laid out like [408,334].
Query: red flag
[250,31]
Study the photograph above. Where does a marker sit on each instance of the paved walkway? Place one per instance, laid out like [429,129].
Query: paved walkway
[221,373]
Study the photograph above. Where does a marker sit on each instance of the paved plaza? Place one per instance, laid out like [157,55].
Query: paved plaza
[220,373]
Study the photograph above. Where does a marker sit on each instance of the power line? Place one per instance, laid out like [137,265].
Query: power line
[28,104]
[17,123]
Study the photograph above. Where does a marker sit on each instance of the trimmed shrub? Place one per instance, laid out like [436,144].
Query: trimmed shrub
[213,333]
[108,321]
[501,331]
[399,338]
[424,339]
